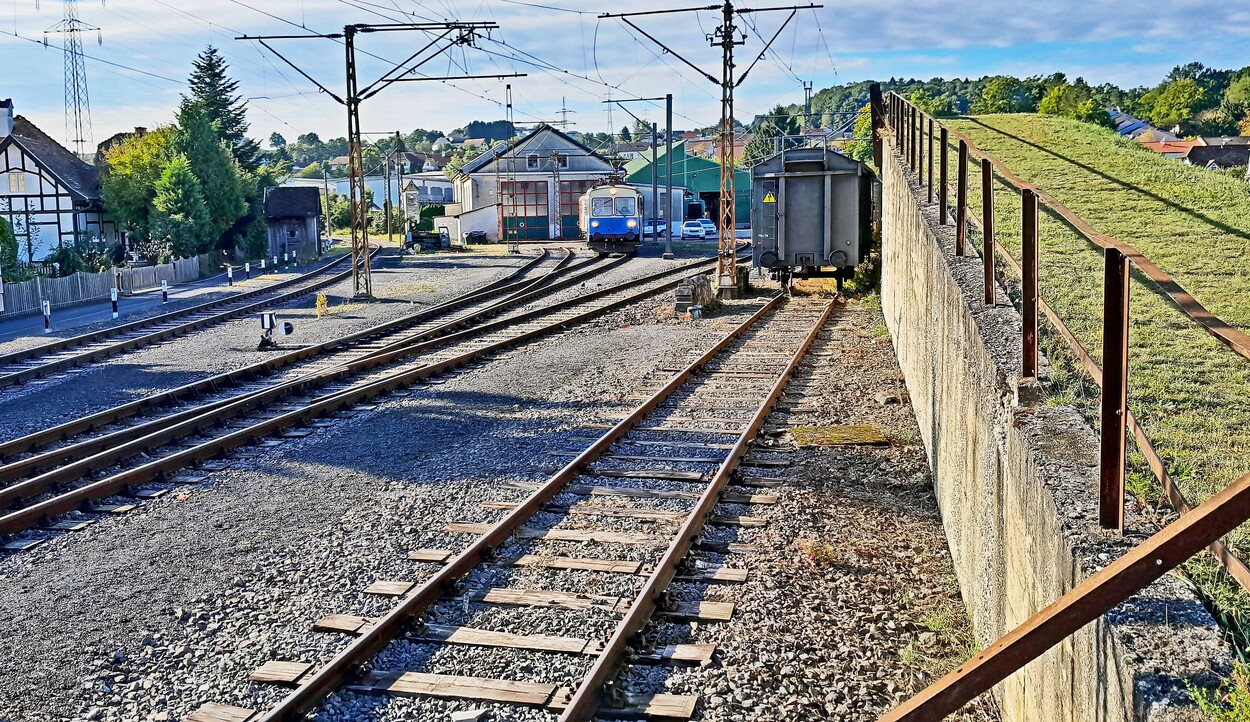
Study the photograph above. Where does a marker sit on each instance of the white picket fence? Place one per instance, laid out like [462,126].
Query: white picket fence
[28,296]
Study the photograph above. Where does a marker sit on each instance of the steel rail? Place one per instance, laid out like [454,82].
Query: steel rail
[108,450]
[40,512]
[232,378]
[334,673]
[586,700]
[68,463]
[129,344]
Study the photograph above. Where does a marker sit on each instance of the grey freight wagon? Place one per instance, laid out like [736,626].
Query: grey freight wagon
[811,213]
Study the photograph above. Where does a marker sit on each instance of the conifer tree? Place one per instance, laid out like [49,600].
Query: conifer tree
[179,213]
[218,94]
[219,174]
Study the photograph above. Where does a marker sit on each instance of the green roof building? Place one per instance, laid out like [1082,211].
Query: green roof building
[700,175]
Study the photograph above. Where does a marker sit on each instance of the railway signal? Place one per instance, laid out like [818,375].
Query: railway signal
[268,324]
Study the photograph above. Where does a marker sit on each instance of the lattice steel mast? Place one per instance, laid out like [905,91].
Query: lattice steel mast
[77,103]
[725,36]
[446,35]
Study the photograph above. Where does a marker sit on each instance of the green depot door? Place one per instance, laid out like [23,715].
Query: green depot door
[525,211]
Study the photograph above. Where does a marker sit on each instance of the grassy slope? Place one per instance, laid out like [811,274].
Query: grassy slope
[1191,393]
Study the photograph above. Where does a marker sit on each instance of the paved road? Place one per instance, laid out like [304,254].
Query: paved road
[67,318]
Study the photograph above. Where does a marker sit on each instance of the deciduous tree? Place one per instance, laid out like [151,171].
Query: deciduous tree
[1003,94]
[1176,103]
[131,169]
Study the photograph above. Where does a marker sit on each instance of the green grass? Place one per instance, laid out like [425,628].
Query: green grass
[1231,702]
[1191,394]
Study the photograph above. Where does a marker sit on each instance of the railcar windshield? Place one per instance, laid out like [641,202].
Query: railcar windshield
[626,206]
[600,206]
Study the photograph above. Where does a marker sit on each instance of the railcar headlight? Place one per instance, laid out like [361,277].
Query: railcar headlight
[594,224]
[631,223]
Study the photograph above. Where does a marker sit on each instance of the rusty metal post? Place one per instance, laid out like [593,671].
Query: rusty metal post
[1028,268]
[907,133]
[898,123]
[913,150]
[876,111]
[894,116]
[1114,411]
[930,161]
[987,225]
[961,200]
[943,180]
[920,177]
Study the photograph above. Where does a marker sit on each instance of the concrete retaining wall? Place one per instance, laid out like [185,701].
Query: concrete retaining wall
[1017,488]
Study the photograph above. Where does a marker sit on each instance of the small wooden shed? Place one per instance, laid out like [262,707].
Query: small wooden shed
[292,216]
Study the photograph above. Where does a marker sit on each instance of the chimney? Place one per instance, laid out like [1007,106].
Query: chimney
[6,117]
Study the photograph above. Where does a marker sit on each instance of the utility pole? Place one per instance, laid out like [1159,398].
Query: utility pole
[807,102]
[325,184]
[668,160]
[386,178]
[655,183]
[446,35]
[726,36]
[399,184]
[77,102]
[668,180]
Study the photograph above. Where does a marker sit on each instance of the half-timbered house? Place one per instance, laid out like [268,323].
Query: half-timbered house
[48,195]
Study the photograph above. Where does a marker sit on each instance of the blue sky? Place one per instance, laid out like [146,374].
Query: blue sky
[152,44]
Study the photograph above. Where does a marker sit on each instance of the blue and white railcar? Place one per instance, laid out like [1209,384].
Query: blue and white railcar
[611,217]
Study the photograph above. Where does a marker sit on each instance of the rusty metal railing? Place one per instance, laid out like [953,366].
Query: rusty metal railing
[1197,528]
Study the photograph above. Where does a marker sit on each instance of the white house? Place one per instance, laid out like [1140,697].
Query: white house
[48,195]
[527,190]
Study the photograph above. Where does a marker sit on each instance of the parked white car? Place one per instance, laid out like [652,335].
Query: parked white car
[693,229]
[709,228]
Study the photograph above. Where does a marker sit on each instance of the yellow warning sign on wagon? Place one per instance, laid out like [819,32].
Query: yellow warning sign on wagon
[769,197]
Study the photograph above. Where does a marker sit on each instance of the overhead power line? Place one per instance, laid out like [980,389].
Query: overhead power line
[445,36]
[727,36]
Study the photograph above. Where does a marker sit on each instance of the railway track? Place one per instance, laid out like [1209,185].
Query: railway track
[64,354]
[627,513]
[101,462]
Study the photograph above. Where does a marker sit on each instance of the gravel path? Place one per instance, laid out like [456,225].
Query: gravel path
[405,285]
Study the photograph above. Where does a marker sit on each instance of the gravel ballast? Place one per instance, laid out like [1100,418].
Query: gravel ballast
[404,285]
[174,604]
[147,615]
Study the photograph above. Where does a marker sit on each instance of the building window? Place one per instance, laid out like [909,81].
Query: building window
[17,182]
[564,161]
[531,161]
